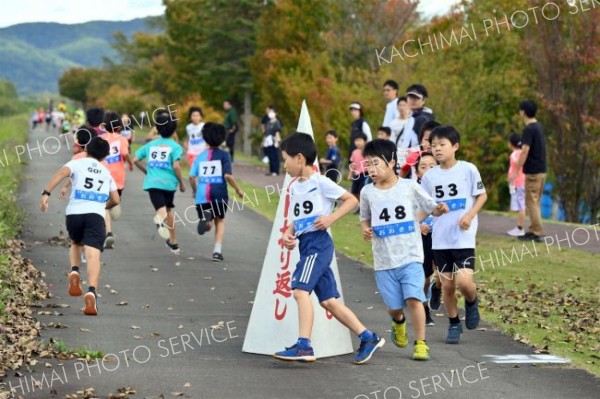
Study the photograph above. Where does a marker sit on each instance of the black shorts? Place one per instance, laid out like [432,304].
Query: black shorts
[358,182]
[217,207]
[427,255]
[87,229]
[160,198]
[120,191]
[450,260]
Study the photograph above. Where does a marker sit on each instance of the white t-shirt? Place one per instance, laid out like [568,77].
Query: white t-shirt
[311,198]
[458,187]
[391,113]
[393,215]
[366,129]
[91,186]
[196,143]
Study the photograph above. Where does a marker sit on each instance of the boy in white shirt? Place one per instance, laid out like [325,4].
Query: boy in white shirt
[313,198]
[93,191]
[390,210]
[459,185]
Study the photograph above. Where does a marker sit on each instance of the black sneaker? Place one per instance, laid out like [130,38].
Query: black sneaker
[173,247]
[217,257]
[530,237]
[436,296]
[204,223]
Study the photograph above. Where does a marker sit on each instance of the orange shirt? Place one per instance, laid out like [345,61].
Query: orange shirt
[115,161]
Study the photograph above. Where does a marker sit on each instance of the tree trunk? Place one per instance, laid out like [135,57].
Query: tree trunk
[247,122]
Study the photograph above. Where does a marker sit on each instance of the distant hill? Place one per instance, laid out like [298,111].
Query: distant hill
[34,55]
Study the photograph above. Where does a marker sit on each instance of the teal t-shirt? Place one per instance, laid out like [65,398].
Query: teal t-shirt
[161,154]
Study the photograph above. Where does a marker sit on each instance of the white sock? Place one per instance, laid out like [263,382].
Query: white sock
[217,248]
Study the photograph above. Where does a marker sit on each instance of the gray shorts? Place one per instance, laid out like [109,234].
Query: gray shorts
[517,200]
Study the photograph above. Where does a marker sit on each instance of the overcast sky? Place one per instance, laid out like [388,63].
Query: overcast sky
[76,11]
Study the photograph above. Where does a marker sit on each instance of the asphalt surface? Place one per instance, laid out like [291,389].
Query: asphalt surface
[161,341]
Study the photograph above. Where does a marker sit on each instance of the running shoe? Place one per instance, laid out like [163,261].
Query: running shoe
[454,332]
[398,333]
[75,284]
[368,348]
[421,351]
[173,247]
[296,353]
[472,315]
[91,309]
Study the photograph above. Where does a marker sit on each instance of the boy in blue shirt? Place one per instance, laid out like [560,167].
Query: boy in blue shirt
[212,170]
[331,161]
[312,201]
[163,175]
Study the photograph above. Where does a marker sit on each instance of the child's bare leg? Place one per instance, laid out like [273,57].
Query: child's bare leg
[305,313]
[219,230]
[397,314]
[107,221]
[344,315]
[170,223]
[465,284]
[162,214]
[417,317]
[521,219]
[75,254]
[93,266]
[449,294]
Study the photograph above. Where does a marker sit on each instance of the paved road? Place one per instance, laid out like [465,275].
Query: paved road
[170,297]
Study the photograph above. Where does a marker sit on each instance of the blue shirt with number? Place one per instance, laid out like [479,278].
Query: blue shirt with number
[160,155]
[210,168]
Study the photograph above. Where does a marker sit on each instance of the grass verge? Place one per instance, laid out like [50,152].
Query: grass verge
[546,298]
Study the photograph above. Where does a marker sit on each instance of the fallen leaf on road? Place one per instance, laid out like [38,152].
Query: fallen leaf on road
[154,269]
[122,303]
[137,337]
[114,292]
[177,393]
[135,327]
[187,385]
[154,334]
[482,329]
[180,327]
[170,285]
[84,329]
[169,308]
[369,307]
[208,278]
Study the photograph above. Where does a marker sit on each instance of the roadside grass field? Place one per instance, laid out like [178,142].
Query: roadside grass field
[542,296]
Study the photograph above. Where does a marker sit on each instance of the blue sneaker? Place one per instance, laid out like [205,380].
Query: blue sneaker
[297,353]
[367,348]
[436,296]
[472,315]
[454,332]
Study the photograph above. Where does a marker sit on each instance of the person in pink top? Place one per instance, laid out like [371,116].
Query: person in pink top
[115,162]
[516,186]
[358,167]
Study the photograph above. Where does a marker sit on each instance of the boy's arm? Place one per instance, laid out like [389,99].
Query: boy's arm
[231,180]
[177,170]
[366,230]
[113,200]
[56,179]
[349,203]
[127,159]
[193,184]
[65,188]
[141,166]
[465,221]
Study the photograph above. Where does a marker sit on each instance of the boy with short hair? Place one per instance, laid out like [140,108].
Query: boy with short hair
[115,162]
[163,176]
[95,117]
[389,218]
[312,201]
[94,191]
[384,133]
[357,171]
[459,185]
[212,169]
[331,161]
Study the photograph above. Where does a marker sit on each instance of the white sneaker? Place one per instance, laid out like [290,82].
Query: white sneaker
[516,232]
[163,231]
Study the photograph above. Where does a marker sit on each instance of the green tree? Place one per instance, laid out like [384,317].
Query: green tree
[74,83]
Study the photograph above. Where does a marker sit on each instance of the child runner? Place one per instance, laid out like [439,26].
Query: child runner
[516,186]
[95,117]
[115,162]
[195,143]
[459,185]
[127,130]
[163,175]
[331,162]
[312,200]
[389,217]
[94,190]
[212,168]
[425,162]
[357,170]
[384,133]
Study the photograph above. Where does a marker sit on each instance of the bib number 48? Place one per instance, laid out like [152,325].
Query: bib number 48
[399,214]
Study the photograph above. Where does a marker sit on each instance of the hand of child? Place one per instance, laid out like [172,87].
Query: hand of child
[289,241]
[442,208]
[182,188]
[62,194]
[44,203]
[239,193]
[323,222]
[465,221]
[425,229]
[367,234]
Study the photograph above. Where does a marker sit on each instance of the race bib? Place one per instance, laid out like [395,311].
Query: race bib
[210,172]
[390,220]
[115,153]
[448,193]
[92,186]
[196,140]
[159,157]
[306,207]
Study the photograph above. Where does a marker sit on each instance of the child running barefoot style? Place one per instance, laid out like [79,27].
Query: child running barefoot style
[313,197]
[389,213]
[94,191]
[459,185]
[212,169]
[163,175]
